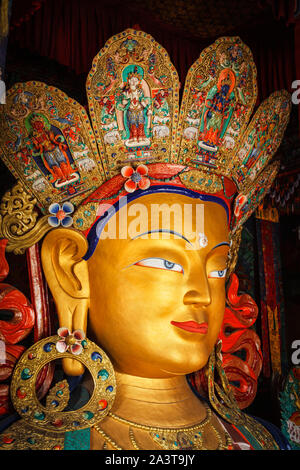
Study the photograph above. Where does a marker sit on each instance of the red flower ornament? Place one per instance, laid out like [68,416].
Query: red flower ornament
[135,178]
[70,341]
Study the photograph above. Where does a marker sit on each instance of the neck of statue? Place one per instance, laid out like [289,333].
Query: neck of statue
[157,402]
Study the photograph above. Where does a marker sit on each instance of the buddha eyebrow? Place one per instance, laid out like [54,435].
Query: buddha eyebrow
[161,231]
[220,244]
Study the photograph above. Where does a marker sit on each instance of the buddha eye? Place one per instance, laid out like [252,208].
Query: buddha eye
[217,274]
[160,263]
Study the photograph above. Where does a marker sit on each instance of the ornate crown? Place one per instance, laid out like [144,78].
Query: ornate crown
[137,134]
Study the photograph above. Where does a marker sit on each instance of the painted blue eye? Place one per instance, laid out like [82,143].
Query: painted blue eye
[217,274]
[160,263]
[168,264]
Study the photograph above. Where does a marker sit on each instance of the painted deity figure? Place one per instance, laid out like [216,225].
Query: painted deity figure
[133,105]
[51,149]
[217,111]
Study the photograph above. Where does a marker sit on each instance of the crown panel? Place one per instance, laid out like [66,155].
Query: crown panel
[247,201]
[133,97]
[261,139]
[47,142]
[219,96]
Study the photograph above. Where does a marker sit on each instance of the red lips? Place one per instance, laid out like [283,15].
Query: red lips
[191,326]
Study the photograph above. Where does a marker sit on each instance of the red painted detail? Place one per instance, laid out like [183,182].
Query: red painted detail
[7,439]
[19,327]
[105,195]
[4,268]
[240,314]
[9,357]
[42,327]
[25,318]
[5,406]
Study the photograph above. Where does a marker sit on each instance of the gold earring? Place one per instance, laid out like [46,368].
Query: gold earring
[51,418]
[222,399]
[220,393]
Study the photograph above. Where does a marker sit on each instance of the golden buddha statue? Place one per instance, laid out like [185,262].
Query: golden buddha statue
[141,273]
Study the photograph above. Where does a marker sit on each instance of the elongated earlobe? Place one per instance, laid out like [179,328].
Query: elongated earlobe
[67,276]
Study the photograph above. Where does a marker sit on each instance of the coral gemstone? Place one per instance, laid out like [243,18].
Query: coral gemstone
[102,404]
[57,423]
[21,393]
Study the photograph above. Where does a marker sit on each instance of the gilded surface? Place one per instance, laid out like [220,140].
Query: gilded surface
[21,436]
[51,417]
[202,181]
[19,222]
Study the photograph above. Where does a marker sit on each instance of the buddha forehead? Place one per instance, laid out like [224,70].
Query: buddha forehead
[192,223]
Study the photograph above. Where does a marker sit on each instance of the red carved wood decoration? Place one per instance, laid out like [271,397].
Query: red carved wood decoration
[240,314]
[12,331]
[18,317]
[242,372]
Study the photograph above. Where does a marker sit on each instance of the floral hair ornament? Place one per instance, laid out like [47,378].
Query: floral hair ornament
[60,215]
[73,342]
[135,178]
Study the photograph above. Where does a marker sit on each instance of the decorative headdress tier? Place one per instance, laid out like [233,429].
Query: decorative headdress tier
[133,97]
[48,143]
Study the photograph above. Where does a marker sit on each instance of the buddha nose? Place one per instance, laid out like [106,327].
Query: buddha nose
[198,290]
[197,297]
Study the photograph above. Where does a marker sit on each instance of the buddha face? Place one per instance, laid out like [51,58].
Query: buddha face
[157,299]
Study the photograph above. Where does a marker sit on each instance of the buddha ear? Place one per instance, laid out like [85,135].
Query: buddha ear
[67,276]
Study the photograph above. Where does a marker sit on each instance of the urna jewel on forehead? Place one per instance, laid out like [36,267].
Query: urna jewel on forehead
[137,140]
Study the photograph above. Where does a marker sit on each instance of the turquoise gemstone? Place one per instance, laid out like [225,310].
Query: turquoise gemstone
[39,415]
[88,415]
[59,393]
[103,374]
[26,374]
[31,440]
[84,343]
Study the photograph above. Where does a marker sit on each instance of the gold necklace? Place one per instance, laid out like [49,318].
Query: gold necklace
[184,438]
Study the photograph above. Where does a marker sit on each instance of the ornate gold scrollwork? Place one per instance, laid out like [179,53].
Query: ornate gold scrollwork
[18,220]
[235,241]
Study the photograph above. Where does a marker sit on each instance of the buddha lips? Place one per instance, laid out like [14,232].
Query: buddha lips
[192,326]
